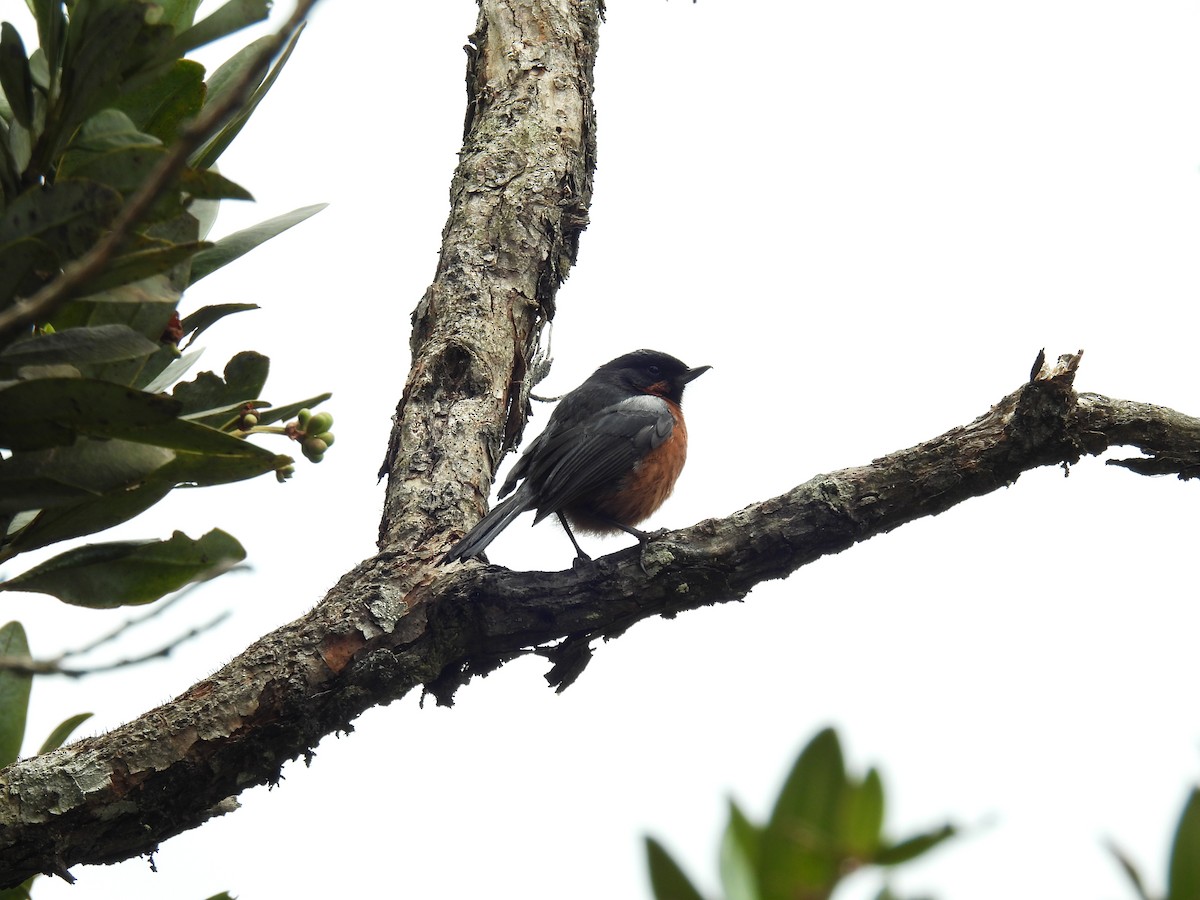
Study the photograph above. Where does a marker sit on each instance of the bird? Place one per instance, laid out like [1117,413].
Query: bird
[607,459]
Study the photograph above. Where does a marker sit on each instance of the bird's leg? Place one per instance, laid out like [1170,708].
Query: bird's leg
[643,540]
[642,537]
[567,527]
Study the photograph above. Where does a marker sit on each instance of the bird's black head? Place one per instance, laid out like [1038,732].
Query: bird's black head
[651,372]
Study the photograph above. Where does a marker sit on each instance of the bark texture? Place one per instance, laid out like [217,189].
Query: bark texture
[395,624]
[398,622]
[519,201]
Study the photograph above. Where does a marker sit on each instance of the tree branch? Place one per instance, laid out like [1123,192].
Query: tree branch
[371,641]
[519,202]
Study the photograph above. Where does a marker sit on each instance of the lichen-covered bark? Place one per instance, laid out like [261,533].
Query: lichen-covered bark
[519,200]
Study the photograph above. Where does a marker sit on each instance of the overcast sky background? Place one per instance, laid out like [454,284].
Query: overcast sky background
[868,217]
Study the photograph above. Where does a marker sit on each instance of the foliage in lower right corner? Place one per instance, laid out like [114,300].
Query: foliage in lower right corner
[1183,866]
[1183,873]
[825,824]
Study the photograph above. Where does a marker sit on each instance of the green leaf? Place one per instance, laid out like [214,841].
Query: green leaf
[204,470]
[20,151]
[107,42]
[245,376]
[87,468]
[739,856]
[179,14]
[167,355]
[54,411]
[229,248]
[24,265]
[286,413]
[67,216]
[1131,871]
[110,149]
[911,848]
[161,106]
[59,735]
[233,16]
[39,71]
[69,510]
[132,267]
[78,347]
[224,895]
[861,828]
[666,878]
[207,184]
[15,78]
[173,371]
[87,516]
[799,852]
[222,79]
[127,168]
[123,168]
[205,212]
[203,319]
[1183,877]
[123,573]
[814,787]
[14,694]
[146,306]
[183,229]
[51,26]
[52,371]
[109,129]
[20,892]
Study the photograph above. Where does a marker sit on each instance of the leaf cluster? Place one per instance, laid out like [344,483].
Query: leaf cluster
[825,825]
[96,422]
[1183,866]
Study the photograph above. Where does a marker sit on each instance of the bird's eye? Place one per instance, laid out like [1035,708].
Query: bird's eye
[655,371]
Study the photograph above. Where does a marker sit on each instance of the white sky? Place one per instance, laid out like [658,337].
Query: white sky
[867,217]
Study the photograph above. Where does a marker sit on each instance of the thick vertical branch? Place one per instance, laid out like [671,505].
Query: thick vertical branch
[519,200]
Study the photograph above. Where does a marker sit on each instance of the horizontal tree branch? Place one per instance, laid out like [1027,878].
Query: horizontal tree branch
[371,641]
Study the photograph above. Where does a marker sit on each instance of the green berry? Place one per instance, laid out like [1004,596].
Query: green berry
[319,423]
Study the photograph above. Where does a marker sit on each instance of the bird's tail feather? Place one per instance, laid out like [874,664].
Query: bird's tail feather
[475,541]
